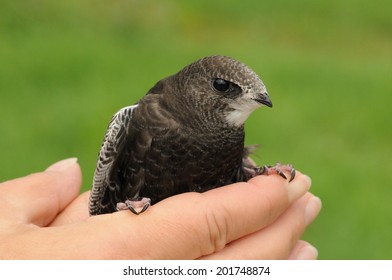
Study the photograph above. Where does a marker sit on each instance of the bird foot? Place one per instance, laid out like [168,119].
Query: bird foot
[135,206]
[279,169]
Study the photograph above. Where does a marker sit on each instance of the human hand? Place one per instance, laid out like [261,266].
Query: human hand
[43,217]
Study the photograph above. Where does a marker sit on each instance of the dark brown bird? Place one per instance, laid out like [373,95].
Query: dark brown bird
[186,134]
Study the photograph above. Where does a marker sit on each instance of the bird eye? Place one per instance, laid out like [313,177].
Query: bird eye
[221,85]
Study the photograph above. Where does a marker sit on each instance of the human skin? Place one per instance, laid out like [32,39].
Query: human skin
[43,216]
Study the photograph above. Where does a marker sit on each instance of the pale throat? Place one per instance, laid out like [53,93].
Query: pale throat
[240,112]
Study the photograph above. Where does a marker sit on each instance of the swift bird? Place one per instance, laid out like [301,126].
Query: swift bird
[186,134]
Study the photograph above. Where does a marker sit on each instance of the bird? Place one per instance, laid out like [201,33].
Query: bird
[185,135]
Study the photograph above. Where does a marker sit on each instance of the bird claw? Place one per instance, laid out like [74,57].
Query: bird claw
[132,205]
[280,170]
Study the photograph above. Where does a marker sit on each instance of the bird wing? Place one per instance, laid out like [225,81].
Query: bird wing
[112,145]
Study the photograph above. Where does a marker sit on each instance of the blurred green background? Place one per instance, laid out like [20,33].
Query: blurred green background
[67,66]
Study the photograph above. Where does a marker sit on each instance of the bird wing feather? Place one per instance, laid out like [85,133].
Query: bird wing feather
[112,145]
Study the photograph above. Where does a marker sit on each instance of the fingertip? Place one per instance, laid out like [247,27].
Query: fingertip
[312,209]
[298,187]
[62,165]
[295,189]
[305,252]
[307,180]
[70,168]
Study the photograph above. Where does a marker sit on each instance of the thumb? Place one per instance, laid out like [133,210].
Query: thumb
[38,198]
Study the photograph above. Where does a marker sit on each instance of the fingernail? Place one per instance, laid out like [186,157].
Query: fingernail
[62,165]
[298,188]
[312,209]
[307,252]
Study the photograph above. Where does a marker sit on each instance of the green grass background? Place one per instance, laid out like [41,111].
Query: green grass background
[67,66]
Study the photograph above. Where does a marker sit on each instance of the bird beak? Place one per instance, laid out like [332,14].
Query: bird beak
[263,98]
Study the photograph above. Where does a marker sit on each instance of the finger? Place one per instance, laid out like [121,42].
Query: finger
[76,211]
[277,240]
[184,226]
[39,197]
[191,225]
[303,251]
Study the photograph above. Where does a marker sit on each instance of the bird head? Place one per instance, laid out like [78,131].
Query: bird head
[221,87]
